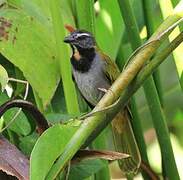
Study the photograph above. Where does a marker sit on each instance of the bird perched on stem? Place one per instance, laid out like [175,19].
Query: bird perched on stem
[94,72]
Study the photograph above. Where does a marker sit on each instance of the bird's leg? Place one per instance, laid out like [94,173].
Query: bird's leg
[105,90]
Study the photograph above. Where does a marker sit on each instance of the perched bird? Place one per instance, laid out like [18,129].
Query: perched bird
[94,72]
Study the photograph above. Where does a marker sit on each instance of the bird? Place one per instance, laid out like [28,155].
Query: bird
[94,72]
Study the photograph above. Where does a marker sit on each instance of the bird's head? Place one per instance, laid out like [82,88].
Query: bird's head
[80,39]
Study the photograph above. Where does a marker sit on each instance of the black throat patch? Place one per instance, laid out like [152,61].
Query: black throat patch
[86,58]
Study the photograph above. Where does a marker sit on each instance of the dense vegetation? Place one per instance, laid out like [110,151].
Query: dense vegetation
[35,66]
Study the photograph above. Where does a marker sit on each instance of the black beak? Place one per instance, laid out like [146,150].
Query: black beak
[68,39]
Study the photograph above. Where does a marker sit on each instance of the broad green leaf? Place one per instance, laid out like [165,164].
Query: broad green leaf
[49,146]
[3,78]
[65,9]
[32,9]
[85,168]
[29,46]
[21,124]
[58,117]
[27,143]
[40,10]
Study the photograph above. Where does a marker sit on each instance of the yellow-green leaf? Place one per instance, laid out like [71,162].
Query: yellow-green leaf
[30,46]
[3,78]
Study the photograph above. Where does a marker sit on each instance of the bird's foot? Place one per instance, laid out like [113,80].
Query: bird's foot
[103,90]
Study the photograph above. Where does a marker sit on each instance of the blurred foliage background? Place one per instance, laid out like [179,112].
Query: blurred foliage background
[32,50]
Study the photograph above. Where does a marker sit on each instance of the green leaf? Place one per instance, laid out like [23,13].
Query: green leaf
[48,148]
[109,27]
[42,5]
[21,124]
[3,78]
[85,168]
[40,10]
[27,143]
[58,117]
[31,9]
[58,101]
[64,58]
[30,46]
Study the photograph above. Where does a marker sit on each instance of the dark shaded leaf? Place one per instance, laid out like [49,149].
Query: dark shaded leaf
[100,154]
[54,118]
[27,143]
[12,161]
[85,169]
[21,124]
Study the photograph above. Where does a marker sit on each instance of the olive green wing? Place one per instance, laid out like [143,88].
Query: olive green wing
[111,70]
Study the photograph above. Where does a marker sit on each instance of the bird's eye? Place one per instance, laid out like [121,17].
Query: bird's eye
[80,37]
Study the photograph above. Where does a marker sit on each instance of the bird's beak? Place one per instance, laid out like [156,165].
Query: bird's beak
[68,39]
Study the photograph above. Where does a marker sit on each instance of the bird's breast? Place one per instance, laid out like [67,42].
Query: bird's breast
[89,82]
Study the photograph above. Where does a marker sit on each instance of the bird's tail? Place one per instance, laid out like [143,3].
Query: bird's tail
[125,142]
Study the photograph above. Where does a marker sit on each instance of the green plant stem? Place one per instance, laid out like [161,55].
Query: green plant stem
[151,95]
[159,124]
[138,132]
[100,121]
[148,70]
[149,17]
[130,23]
[178,53]
[64,59]
[100,143]
[85,14]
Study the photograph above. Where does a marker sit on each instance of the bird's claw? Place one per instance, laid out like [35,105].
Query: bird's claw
[103,90]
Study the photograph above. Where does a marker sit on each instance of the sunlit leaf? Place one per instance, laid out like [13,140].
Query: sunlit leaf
[39,9]
[28,45]
[109,27]
[3,78]
[47,149]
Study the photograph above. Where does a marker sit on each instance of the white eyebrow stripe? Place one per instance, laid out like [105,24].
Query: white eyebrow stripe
[83,34]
